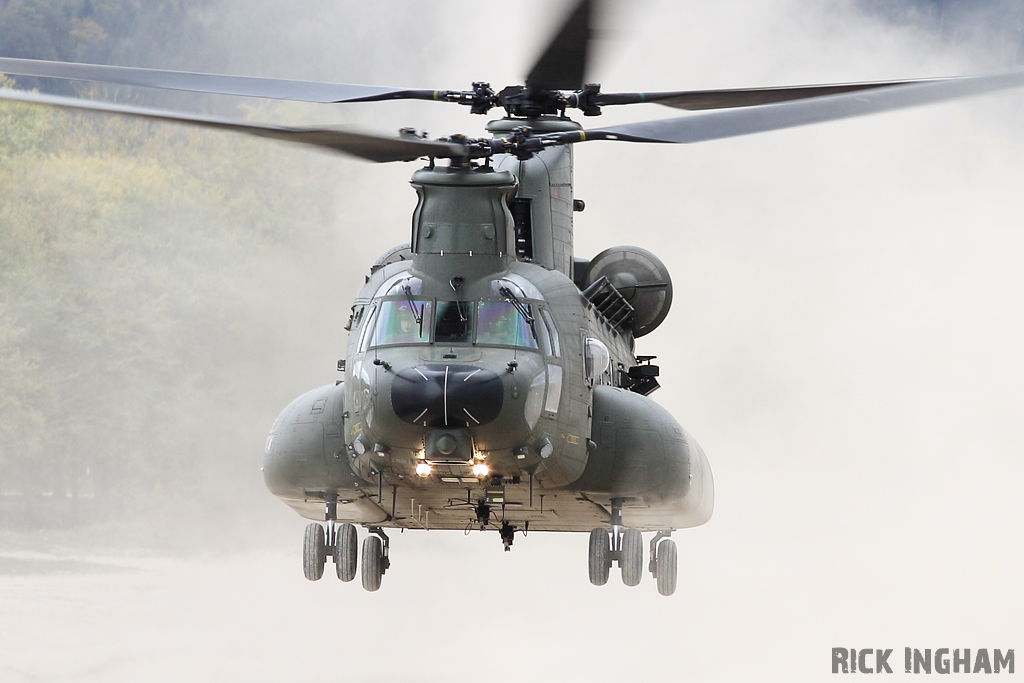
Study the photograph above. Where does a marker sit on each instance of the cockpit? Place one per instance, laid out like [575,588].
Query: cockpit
[514,316]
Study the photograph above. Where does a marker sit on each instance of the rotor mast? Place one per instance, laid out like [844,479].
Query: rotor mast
[542,207]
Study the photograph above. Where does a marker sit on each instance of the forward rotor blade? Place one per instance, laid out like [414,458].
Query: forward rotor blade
[372,147]
[743,97]
[726,124]
[564,60]
[274,88]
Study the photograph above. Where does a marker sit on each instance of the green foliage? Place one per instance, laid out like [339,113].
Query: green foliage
[102,31]
[133,259]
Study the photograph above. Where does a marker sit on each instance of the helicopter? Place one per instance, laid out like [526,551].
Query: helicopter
[492,380]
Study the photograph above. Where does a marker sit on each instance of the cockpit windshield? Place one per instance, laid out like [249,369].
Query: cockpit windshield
[403,322]
[454,322]
[500,322]
[489,323]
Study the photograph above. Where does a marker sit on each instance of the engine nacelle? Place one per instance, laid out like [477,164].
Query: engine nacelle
[642,280]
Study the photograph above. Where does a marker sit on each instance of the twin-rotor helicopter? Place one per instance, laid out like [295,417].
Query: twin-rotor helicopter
[491,376]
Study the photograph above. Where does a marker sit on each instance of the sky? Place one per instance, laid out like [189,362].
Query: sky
[844,344]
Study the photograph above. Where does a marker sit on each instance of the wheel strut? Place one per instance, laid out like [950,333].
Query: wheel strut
[331,514]
[616,553]
[652,566]
[386,561]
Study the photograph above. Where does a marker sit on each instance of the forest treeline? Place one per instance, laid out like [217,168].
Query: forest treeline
[136,261]
[166,33]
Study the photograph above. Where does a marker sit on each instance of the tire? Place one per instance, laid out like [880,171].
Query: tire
[632,560]
[373,563]
[314,552]
[667,566]
[346,547]
[600,557]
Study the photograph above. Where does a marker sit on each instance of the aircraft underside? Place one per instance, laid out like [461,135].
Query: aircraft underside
[459,509]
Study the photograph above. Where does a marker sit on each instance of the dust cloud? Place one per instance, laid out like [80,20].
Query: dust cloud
[844,344]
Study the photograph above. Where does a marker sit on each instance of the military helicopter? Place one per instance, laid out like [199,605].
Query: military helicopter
[492,380]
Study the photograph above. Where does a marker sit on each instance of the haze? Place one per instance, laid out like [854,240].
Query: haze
[844,344]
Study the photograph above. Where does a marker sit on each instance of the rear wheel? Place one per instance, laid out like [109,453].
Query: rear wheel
[346,547]
[600,557]
[373,563]
[667,566]
[632,561]
[314,552]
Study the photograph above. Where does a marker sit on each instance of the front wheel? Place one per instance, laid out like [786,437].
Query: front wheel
[346,547]
[314,552]
[667,565]
[373,563]
[632,560]
[600,557]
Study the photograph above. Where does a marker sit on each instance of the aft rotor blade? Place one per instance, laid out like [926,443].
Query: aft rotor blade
[372,147]
[274,88]
[727,124]
[694,100]
[564,60]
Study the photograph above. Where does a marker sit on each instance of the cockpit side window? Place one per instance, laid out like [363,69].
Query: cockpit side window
[499,322]
[550,324]
[542,332]
[369,318]
[403,322]
[453,322]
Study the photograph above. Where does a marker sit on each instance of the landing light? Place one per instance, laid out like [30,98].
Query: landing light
[480,469]
[423,469]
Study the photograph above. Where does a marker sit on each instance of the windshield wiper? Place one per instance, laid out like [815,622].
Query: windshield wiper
[524,309]
[456,283]
[416,312]
[514,300]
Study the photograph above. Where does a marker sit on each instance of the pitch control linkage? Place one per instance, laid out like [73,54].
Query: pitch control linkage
[519,100]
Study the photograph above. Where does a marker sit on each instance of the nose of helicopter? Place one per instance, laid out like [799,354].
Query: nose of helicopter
[438,395]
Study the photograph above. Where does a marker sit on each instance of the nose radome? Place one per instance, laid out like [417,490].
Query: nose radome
[447,395]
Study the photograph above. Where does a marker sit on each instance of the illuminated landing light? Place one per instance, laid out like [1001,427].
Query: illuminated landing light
[480,469]
[423,469]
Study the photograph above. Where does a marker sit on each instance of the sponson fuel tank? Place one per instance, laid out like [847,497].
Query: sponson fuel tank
[642,456]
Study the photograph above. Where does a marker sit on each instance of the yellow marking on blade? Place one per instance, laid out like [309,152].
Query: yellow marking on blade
[583,136]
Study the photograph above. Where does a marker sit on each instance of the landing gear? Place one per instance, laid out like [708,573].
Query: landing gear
[664,563]
[340,543]
[373,563]
[346,546]
[627,548]
[314,552]
[600,557]
[666,567]
[631,559]
[375,558]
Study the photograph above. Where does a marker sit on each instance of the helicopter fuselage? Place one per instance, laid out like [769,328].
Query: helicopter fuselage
[479,376]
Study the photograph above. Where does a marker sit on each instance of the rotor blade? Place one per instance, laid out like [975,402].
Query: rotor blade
[304,91]
[743,97]
[726,124]
[564,60]
[372,147]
